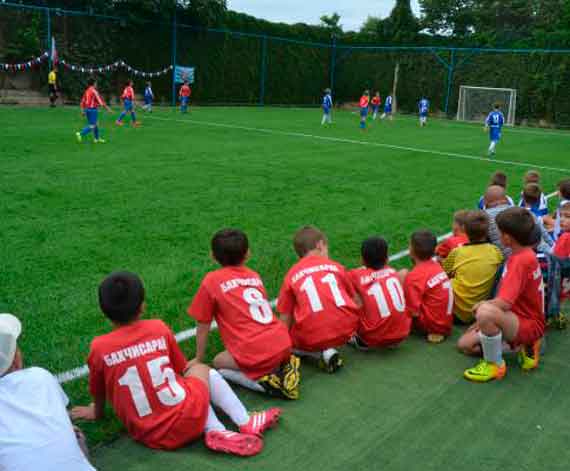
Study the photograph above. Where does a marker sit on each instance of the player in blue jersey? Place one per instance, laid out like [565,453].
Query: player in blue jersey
[148,98]
[423,108]
[387,108]
[327,107]
[494,123]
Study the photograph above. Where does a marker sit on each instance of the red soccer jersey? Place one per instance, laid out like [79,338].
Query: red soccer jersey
[376,101]
[449,244]
[364,100]
[383,318]
[236,299]
[562,250]
[138,368]
[318,294]
[522,287]
[91,99]
[128,94]
[185,91]
[429,293]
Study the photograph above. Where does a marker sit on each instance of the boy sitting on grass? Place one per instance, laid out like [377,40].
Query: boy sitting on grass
[428,292]
[383,319]
[258,346]
[473,267]
[458,238]
[162,400]
[316,301]
[516,314]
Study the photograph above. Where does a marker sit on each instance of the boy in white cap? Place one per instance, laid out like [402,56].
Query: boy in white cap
[35,428]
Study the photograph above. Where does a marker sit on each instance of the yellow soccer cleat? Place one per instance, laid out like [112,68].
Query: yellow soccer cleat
[529,356]
[272,385]
[435,338]
[485,371]
[291,377]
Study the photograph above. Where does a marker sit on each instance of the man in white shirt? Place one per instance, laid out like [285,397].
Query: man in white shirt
[36,432]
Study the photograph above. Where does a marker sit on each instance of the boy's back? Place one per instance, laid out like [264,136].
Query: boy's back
[318,294]
[138,368]
[383,315]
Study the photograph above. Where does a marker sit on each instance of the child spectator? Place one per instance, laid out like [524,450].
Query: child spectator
[564,195]
[495,202]
[458,238]
[473,267]
[497,179]
[163,401]
[316,301]
[531,199]
[539,206]
[562,246]
[516,314]
[383,319]
[428,291]
[258,346]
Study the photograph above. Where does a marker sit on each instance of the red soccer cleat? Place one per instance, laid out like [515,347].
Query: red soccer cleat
[233,443]
[259,422]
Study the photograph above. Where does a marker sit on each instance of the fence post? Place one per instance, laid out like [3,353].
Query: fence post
[333,63]
[174,50]
[450,71]
[262,75]
[48,27]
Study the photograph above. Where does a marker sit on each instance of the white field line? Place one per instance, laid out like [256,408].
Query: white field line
[83,371]
[363,143]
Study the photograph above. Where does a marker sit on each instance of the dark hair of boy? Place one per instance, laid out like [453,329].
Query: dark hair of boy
[306,239]
[564,188]
[531,193]
[477,226]
[519,224]
[374,251]
[423,244]
[460,217]
[499,179]
[91,81]
[230,247]
[497,105]
[565,207]
[532,176]
[121,295]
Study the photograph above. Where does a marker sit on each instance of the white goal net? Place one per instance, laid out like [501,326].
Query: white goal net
[475,103]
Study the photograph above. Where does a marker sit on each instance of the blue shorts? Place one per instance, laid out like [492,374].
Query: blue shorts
[495,135]
[388,110]
[147,100]
[128,104]
[326,110]
[363,112]
[375,108]
[423,114]
[91,115]
[184,100]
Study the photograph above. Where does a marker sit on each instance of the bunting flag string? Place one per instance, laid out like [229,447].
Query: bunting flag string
[84,69]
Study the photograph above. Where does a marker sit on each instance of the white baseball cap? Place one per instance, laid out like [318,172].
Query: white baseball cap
[10,330]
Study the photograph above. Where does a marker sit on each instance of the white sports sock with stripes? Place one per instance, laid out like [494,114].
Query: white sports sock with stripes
[213,423]
[238,377]
[222,396]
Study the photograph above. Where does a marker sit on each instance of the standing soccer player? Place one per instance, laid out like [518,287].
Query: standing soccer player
[423,107]
[128,98]
[494,123]
[90,104]
[52,86]
[327,107]
[185,92]
[364,102]
[387,108]
[148,98]
[376,102]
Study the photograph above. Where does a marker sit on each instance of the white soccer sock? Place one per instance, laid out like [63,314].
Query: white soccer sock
[222,396]
[212,422]
[328,354]
[492,146]
[383,116]
[304,353]
[492,347]
[238,377]
[324,120]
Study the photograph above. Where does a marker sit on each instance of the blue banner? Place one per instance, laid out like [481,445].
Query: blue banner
[183,74]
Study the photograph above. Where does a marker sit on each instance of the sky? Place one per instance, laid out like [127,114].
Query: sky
[352,12]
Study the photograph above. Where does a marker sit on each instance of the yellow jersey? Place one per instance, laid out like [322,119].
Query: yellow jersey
[472,269]
[52,78]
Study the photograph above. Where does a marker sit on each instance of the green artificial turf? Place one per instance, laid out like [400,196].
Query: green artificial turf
[150,198]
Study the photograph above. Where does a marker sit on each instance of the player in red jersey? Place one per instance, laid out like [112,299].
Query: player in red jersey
[258,346]
[383,319]
[163,401]
[316,301]
[184,94]
[363,105]
[128,97]
[376,102]
[562,246]
[429,294]
[90,103]
[516,314]
[458,238]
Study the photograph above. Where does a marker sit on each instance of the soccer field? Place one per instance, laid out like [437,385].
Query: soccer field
[149,200]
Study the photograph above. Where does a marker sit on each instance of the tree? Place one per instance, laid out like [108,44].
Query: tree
[373,26]
[332,23]
[402,25]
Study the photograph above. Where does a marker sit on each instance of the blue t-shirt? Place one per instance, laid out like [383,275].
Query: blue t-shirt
[495,121]
[388,104]
[327,102]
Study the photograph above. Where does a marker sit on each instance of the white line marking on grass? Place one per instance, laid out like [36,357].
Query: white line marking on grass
[83,371]
[363,143]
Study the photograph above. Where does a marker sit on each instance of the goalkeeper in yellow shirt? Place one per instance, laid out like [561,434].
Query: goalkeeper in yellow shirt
[52,86]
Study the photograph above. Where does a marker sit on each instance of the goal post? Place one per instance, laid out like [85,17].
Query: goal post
[475,103]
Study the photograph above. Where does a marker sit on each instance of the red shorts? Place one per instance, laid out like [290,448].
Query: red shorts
[425,324]
[266,366]
[529,332]
[192,421]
